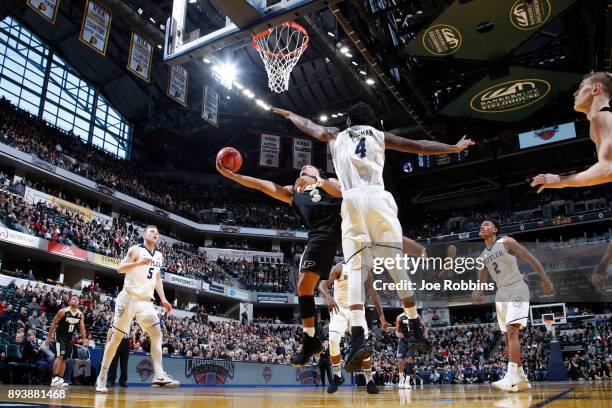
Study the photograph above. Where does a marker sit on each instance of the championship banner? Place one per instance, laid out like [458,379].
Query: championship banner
[210,105]
[302,152]
[269,150]
[140,56]
[177,84]
[95,29]
[46,8]
[107,261]
[329,161]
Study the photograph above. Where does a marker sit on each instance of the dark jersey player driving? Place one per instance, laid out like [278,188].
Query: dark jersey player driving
[317,201]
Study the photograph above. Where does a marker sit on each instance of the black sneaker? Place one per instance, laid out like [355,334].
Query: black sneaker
[371,388]
[335,383]
[417,337]
[311,346]
[360,350]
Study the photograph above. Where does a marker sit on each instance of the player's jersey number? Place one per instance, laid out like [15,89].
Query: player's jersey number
[361,148]
[150,275]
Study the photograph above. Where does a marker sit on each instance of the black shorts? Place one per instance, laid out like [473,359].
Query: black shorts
[63,347]
[403,350]
[319,254]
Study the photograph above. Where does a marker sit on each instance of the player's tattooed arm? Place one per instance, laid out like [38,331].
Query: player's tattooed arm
[523,253]
[376,300]
[402,144]
[131,261]
[53,326]
[284,194]
[325,285]
[321,133]
[599,173]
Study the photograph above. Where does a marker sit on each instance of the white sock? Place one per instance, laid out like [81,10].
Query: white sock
[336,369]
[402,376]
[411,312]
[310,331]
[368,374]
[512,369]
[358,319]
[155,334]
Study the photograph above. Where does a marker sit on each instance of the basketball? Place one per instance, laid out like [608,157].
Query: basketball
[230,158]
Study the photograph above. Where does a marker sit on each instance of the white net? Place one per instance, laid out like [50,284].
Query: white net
[280,49]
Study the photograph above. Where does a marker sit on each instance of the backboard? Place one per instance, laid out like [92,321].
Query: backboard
[188,32]
[555,310]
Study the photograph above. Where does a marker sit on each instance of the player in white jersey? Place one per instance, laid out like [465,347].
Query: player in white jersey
[141,267]
[512,297]
[369,213]
[340,321]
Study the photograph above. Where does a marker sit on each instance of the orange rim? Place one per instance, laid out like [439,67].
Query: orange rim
[281,54]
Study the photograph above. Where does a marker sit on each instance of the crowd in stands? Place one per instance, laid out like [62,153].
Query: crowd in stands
[232,206]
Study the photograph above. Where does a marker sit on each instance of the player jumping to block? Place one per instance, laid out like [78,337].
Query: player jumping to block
[512,297]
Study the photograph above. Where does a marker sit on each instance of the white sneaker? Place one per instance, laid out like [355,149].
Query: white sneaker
[58,382]
[524,383]
[507,384]
[165,381]
[400,383]
[407,385]
[101,384]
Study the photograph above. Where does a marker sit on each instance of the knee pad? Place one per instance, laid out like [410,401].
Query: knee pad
[307,306]
[334,343]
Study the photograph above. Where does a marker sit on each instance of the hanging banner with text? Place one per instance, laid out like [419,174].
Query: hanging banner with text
[269,150]
[329,161]
[210,105]
[140,57]
[46,8]
[177,84]
[302,153]
[95,29]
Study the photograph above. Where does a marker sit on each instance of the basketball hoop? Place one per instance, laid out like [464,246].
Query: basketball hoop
[280,49]
[549,326]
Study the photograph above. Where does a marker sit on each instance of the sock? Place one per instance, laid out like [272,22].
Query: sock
[310,331]
[358,319]
[402,376]
[368,374]
[411,312]
[155,334]
[336,370]
[521,372]
[512,369]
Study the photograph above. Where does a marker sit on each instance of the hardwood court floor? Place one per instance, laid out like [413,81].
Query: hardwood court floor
[550,395]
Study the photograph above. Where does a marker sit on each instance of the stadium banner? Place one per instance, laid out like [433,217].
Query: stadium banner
[34,196]
[95,29]
[210,105]
[216,288]
[272,299]
[436,317]
[178,84]
[229,228]
[208,372]
[547,135]
[302,152]
[19,238]
[212,254]
[238,294]
[104,260]
[105,190]
[180,280]
[140,56]
[572,347]
[329,160]
[47,9]
[43,164]
[269,150]
[67,251]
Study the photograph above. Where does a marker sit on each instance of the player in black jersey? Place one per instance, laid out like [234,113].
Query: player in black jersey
[405,353]
[592,98]
[317,201]
[63,326]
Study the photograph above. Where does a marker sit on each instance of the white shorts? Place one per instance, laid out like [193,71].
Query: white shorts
[512,306]
[370,228]
[340,322]
[127,308]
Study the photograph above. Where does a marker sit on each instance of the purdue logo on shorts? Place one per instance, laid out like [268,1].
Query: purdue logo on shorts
[120,310]
[308,264]
[442,39]
[528,15]
[510,96]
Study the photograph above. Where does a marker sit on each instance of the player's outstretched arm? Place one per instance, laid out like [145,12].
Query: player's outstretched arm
[159,288]
[599,173]
[376,300]
[523,253]
[402,144]
[321,133]
[284,194]
[53,326]
[331,186]
[325,285]
[131,261]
